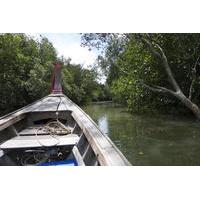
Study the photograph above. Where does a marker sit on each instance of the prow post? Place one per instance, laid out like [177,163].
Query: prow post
[56,87]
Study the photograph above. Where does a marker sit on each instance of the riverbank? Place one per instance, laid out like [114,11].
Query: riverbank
[164,115]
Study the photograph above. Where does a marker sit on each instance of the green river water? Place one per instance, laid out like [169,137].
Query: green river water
[149,140]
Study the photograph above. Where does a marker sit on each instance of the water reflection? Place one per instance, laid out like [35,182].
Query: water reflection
[103,124]
[149,140]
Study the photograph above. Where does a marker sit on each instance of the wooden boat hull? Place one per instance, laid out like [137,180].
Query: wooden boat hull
[85,144]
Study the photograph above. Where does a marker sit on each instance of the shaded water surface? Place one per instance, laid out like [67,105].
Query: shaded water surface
[149,140]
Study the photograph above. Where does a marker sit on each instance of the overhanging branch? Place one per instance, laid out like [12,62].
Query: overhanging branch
[162,57]
[158,88]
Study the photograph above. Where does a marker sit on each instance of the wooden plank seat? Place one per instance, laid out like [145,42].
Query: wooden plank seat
[39,141]
[31,130]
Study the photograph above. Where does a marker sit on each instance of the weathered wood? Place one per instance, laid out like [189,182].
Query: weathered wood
[86,150]
[49,104]
[1,153]
[11,118]
[95,147]
[78,156]
[32,141]
[32,129]
[82,144]
[4,123]
[89,157]
[103,148]
[13,130]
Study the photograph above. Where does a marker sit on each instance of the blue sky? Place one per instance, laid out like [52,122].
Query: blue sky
[68,45]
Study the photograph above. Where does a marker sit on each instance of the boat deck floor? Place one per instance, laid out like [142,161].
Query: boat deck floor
[27,138]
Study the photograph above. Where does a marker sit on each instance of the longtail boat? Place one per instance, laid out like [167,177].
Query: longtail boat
[54,131]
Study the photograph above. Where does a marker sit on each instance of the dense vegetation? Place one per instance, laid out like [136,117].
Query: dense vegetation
[26,67]
[80,84]
[151,72]
[145,72]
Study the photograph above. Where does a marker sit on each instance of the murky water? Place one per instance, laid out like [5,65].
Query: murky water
[149,140]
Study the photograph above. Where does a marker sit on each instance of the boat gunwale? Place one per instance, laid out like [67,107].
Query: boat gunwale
[97,146]
[126,162]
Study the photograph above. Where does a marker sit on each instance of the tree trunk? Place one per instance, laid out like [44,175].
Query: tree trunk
[189,104]
[159,53]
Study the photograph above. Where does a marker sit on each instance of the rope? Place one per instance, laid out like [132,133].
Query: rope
[53,128]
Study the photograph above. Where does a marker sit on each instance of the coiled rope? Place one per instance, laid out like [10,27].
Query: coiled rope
[53,128]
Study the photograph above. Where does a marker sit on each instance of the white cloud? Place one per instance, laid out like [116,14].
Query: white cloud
[78,54]
[69,45]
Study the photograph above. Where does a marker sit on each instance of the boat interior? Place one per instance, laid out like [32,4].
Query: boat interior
[55,131]
[43,139]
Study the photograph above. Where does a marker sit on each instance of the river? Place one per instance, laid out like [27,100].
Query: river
[149,140]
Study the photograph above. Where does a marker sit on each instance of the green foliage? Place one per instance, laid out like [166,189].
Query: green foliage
[23,71]
[128,63]
[78,83]
[26,67]
[102,93]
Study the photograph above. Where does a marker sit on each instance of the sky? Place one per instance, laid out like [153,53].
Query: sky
[69,45]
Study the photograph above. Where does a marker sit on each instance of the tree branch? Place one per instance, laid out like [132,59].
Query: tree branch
[162,57]
[151,48]
[194,71]
[158,89]
[166,90]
